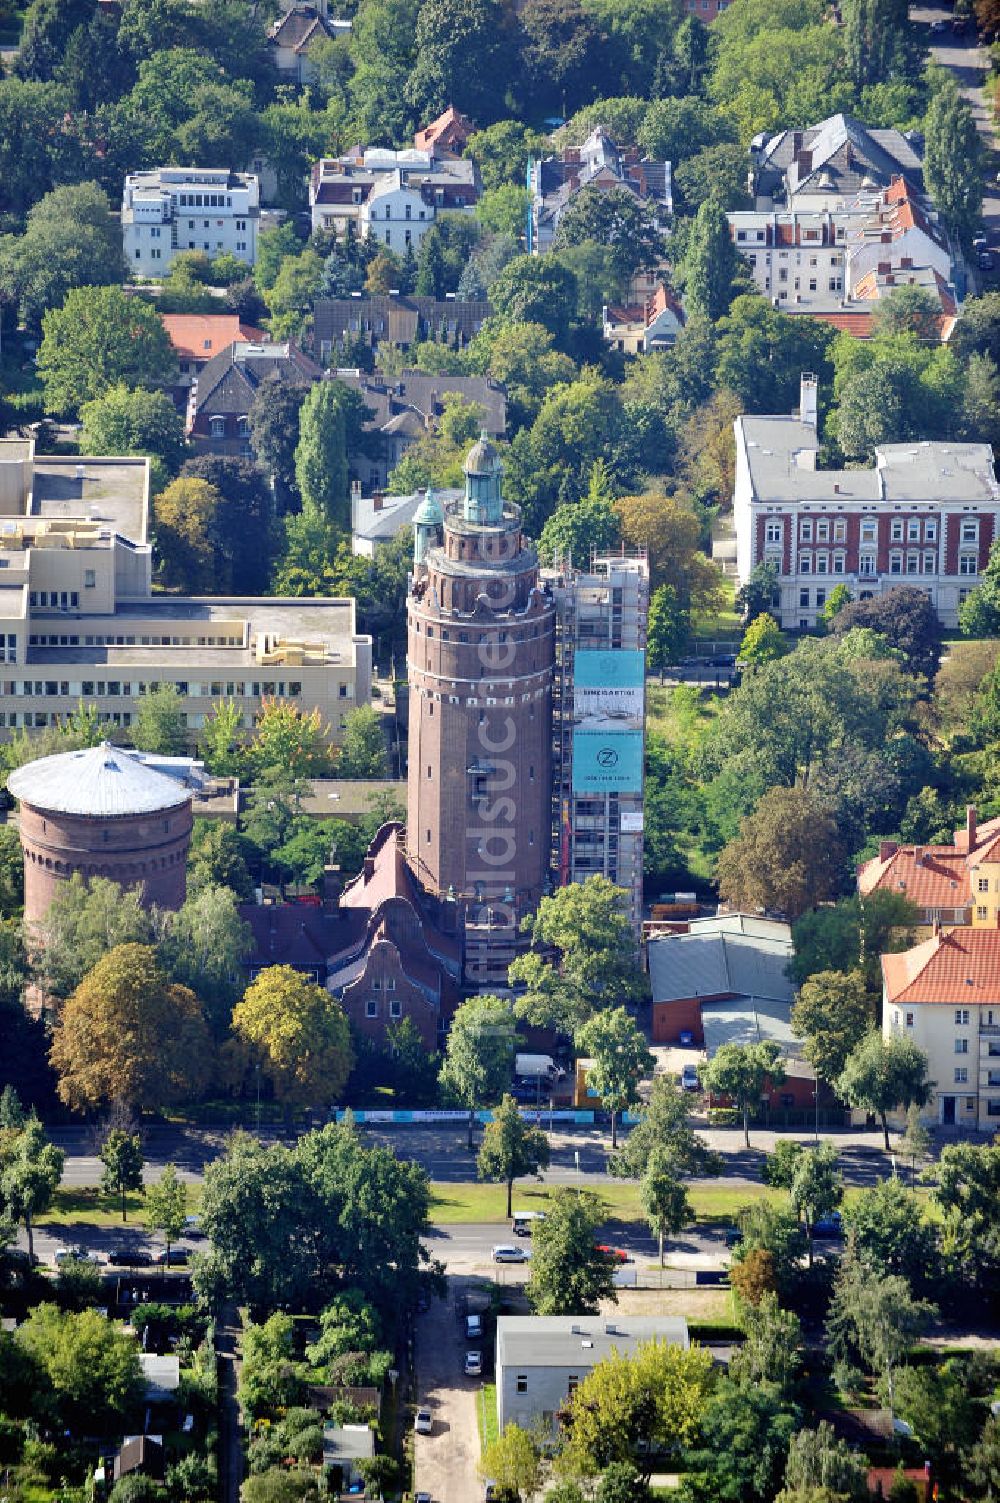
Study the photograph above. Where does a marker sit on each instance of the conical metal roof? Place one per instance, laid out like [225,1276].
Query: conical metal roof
[103,781]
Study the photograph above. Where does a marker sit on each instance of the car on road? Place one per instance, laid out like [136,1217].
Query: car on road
[828,1226]
[733,1236]
[473,1364]
[179,1258]
[938,26]
[192,1226]
[74,1254]
[129,1257]
[689,1079]
[473,1327]
[616,1254]
[422,1498]
[506,1252]
[979,241]
[424,1422]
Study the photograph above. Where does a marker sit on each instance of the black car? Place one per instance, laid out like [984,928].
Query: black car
[129,1257]
[179,1258]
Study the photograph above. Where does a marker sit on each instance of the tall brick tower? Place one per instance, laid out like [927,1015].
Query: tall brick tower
[481,649]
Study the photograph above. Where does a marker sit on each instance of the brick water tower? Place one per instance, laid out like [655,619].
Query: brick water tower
[481,633]
[102,812]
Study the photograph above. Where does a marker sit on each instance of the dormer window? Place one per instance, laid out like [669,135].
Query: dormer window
[217,427]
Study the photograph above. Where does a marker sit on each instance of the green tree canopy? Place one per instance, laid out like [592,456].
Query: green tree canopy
[97,339]
[615,1043]
[882,1074]
[741,1071]
[510,1148]
[569,1273]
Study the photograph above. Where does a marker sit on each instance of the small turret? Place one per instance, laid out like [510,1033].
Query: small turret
[428,522]
[483,471]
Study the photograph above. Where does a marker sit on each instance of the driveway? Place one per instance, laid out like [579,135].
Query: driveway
[446,1462]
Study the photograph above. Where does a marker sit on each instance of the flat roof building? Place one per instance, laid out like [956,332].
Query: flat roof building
[79,620]
[173,209]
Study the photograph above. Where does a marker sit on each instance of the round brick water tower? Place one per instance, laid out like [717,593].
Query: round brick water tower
[102,812]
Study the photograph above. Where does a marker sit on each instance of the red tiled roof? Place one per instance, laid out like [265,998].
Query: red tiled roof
[858,324]
[932,876]
[199,336]
[953,966]
[452,127]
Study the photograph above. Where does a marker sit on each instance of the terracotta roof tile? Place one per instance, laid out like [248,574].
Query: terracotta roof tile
[932,876]
[858,324]
[199,336]
[954,966]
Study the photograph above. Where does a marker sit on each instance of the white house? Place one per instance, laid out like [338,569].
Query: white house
[175,209]
[394,195]
[944,994]
[540,1359]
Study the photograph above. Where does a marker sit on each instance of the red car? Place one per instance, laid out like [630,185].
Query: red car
[614,1253]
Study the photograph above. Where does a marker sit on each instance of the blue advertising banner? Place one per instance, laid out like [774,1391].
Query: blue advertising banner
[609,689]
[607,761]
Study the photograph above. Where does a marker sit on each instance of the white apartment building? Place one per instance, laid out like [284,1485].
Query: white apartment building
[394,196]
[925,514]
[79,619]
[188,208]
[944,994]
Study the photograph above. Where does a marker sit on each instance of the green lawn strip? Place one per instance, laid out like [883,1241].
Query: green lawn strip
[486,1415]
[466,1202]
[87,1205]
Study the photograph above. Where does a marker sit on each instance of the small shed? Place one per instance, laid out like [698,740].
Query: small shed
[140,1453]
[344,1446]
[162,1376]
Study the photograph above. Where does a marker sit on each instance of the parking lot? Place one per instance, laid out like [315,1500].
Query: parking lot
[446,1461]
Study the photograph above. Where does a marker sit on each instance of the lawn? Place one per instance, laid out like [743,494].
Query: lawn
[486,1414]
[470,1202]
[88,1205]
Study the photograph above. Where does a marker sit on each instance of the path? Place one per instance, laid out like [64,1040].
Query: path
[227,1347]
[446,1462]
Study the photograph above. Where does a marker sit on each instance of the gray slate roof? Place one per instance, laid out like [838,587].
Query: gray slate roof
[712,965]
[840,156]
[561,1340]
[751,1020]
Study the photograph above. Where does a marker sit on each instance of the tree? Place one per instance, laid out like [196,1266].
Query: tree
[630,1408]
[134,422]
[513,1462]
[321,456]
[664,1129]
[620,1057]
[882,1074]
[121,1155]
[85,921]
[817,1187]
[11,872]
[769,1355]
[30,1171]
[569,1273]
[479,1053]
[577,529]
[907,619]
[832,1013]
[786,857]
[274,435]
[775,1231]
[289,740]
[510,1148]
[460,59]
[128,1033]
[711,262]
[522,358]
[664,1198]
[207,944]
[300,1034]
[915,1144]
[220,744]
[70,240]
[966,1187]
[92,1365]
[943,1416]
[362,745]
[670,529]
[891,1236]
[242,526]
[838,597]
[740,1072]
[616,219]
[741,1447]
[876,1317]
[160,722]
[760,593]
[166,1206]
[536,290]
[763,641]
[291,297]
[100,338]
[185,514]
[819,1459]
[762,352]
[668,629]
[984,1461]
[953,160]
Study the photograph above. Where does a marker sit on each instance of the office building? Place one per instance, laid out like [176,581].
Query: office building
[175,209]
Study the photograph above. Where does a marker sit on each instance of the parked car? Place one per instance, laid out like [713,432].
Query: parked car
[985,260]
[424,1422]
[689,1079]
[829,1226]
[192,1226]
[74,1254]
[506,1252]
[938,26]
[473,1364]
[979,240]
[733,1236]
[129,1257]
[617,1254]
[473,1327]
[422,1498]
[687,1038]
[179,1258]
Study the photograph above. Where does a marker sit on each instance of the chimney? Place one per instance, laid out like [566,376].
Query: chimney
[378,498]
[887,848]
[970,826]
[807,399]
[936,928]
[332,887]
